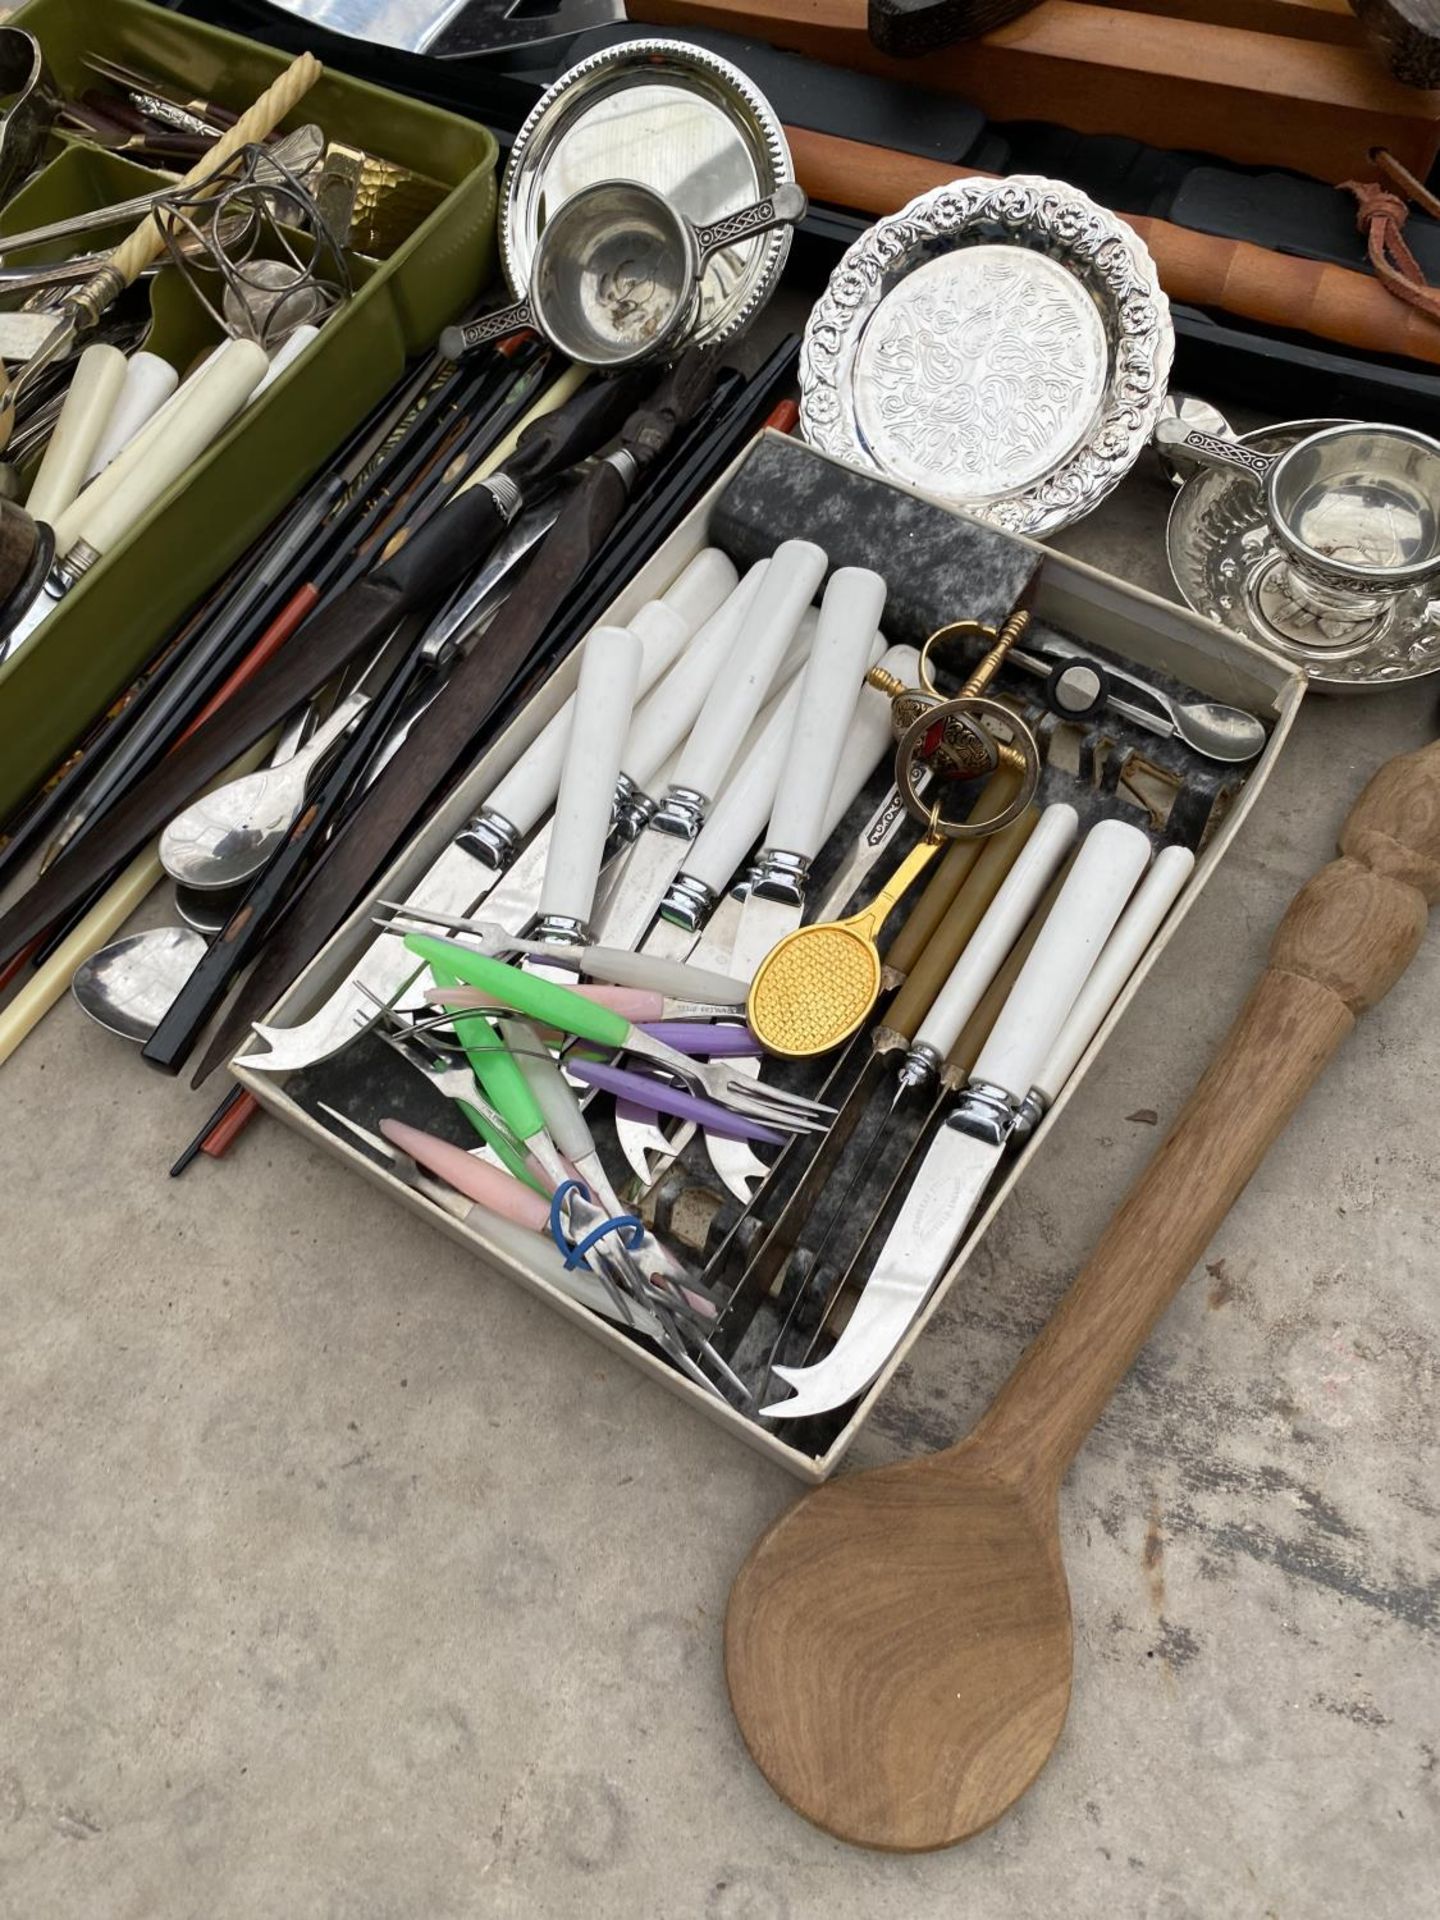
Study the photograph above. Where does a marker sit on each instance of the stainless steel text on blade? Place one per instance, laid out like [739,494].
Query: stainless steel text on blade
[639,887]
[763,925]
[516,895]
[944,1195]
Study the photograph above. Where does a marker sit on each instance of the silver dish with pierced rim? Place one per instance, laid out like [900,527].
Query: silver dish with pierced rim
[1227,565]
[679,120]
[1001,345]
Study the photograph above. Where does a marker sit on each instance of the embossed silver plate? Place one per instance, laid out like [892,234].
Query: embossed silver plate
[1226,565]
[676,118]
[1002,345]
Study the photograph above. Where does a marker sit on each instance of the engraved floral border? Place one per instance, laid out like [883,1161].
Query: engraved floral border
[1082,236]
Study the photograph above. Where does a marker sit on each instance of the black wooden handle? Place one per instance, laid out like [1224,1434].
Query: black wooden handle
[906,29]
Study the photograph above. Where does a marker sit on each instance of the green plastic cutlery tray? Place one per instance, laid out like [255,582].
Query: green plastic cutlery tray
[101,635]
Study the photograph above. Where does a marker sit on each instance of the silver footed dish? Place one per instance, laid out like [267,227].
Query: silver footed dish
[1227,565]
[1000,345]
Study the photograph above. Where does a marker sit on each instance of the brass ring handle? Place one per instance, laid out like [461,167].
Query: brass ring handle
[975,708]
[949,632]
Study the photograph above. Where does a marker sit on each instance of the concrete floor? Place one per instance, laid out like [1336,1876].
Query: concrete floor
[341,1583]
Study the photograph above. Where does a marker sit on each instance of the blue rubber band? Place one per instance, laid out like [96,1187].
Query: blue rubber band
[619,1224]
[557,1220]
[624,1223]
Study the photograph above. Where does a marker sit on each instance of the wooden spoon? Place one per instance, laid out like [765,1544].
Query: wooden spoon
[898,1645]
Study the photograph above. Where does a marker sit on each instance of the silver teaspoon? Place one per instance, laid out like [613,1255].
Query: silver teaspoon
[226,837]
[130,985]
[1227,734]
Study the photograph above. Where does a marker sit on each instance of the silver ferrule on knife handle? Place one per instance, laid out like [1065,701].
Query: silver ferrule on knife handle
[986,1112]
[506,494]
[71,568]
[632,812]
[491,838]
[689,902]
[920,1067]
[561,930]
[681,814]
[781,875]
[1033,1109]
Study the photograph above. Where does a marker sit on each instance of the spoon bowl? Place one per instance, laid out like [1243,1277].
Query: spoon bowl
[226,837]
[207,909]
[129,986]
[915,1624]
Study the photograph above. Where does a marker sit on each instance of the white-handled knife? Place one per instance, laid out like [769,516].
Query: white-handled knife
[963,1156]
[89,526]
[471,865]
[869,736]
[847,643]
[663,723]
[148,384]
[795,571]
[95,390]
[1122,953]
[604,706]
[1004,921]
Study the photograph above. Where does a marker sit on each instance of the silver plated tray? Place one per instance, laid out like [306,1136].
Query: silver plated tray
[1225,563]
[682,121]
[1001,345]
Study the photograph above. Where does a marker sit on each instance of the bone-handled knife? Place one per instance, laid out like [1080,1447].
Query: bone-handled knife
[964,1154]
[1119,957]
[604,705]
[691,903]
[471,865]
[662,725]
[527,792]
[1004,920]
[94,390]
[847,644]
[796,569]
[87,528]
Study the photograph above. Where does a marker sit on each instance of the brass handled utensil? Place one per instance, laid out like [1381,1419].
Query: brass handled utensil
[819,984]
[898,1646]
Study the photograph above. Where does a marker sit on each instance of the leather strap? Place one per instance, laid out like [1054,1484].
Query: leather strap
[1382,211]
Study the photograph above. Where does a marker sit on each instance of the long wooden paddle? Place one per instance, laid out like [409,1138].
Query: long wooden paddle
[898,1645]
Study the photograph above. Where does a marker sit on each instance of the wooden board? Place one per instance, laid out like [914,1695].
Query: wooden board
[1262,98]
[1332,21]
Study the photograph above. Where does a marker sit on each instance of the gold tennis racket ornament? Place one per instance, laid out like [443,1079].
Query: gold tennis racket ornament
[818,986]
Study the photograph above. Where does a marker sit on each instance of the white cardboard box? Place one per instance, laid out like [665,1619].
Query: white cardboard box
[1076,597]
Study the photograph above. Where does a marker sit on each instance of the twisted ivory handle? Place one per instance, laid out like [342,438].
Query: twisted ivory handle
[133,255]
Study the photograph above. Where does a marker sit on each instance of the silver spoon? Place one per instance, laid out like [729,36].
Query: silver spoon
[207,909]
[129,986]
[1227,734]
[226,837]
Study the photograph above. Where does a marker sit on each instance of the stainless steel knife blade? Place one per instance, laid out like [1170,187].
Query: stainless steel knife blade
[946,1190]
